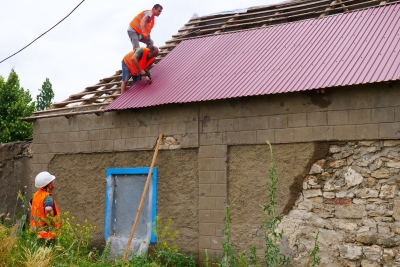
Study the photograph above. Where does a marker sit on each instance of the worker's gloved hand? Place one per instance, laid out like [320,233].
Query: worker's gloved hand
[144,37]
[148,79]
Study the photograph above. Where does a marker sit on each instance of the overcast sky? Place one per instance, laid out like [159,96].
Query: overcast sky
[90,44]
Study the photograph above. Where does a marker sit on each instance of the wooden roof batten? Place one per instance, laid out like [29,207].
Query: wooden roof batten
[93,98]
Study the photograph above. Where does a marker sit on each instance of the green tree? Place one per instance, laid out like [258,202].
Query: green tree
[15,103]
[46,95]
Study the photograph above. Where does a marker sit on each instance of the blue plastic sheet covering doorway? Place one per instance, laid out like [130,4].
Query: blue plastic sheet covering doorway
[124,188]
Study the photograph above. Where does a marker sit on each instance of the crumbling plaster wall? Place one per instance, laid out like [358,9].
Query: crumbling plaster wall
[367,112]
[80,188]
[15,176]
[248,174]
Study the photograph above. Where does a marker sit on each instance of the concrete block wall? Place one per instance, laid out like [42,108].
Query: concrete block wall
[109,132]
[349,113]
[212,197]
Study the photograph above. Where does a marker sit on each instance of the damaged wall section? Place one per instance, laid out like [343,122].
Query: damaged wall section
[15,176]
[82,189]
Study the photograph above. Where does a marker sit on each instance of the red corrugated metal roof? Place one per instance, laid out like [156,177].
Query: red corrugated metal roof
[354,48]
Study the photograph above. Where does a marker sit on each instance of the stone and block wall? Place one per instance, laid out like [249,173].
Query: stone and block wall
[352,198]
[365,112]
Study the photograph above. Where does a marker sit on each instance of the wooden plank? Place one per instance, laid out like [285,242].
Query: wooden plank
[106,87]
[362,4]
[86,100]
[64,103]
[94,92]
[67,114]
[111,78]
[69,108]
[97,86]
[260,22]
[254,12]
[253,19]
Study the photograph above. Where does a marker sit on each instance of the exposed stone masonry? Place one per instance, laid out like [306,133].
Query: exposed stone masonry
[352,198]
[169,142]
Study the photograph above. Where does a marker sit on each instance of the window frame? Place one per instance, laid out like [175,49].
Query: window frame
[110,173]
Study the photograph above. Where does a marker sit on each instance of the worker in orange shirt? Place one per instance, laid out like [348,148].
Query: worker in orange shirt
[140,27]
[136,64]
[45,221]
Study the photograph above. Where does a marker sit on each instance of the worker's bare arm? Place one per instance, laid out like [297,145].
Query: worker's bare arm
[143,22]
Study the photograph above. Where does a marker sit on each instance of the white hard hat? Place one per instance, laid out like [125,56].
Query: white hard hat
[43,179]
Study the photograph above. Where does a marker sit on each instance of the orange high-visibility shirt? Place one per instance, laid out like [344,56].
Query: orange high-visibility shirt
[144,63]
[135,23]
[38,217]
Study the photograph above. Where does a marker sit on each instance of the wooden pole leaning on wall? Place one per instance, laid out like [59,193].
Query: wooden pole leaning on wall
[146,186]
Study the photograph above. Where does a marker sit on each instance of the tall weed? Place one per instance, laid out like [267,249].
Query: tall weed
[272,237]
[272,254]
[314,259]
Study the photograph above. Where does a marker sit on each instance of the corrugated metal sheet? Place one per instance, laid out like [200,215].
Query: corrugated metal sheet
[355,48]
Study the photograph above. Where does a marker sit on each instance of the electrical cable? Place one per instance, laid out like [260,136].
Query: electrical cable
[44,32]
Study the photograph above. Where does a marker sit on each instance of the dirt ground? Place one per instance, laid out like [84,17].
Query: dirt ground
[80,188]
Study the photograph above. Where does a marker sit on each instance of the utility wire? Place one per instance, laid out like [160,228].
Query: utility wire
[44,32]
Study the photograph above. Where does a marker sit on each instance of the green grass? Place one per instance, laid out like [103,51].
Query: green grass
[72,248]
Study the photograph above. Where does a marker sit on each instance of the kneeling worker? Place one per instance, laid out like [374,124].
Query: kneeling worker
[136,64]
[44,211]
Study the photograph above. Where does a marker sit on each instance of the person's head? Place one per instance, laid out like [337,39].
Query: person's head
[153,52]
[157,9]
[45,180]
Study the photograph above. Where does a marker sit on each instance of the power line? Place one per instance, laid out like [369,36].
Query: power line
[44,32]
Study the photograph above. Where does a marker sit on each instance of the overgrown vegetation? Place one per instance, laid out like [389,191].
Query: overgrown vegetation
[72,248]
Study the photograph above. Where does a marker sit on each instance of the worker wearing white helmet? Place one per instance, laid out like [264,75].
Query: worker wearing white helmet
[44,212]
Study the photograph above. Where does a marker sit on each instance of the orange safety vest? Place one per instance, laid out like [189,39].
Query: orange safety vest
[135,23]
[144,63]
[38,222]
